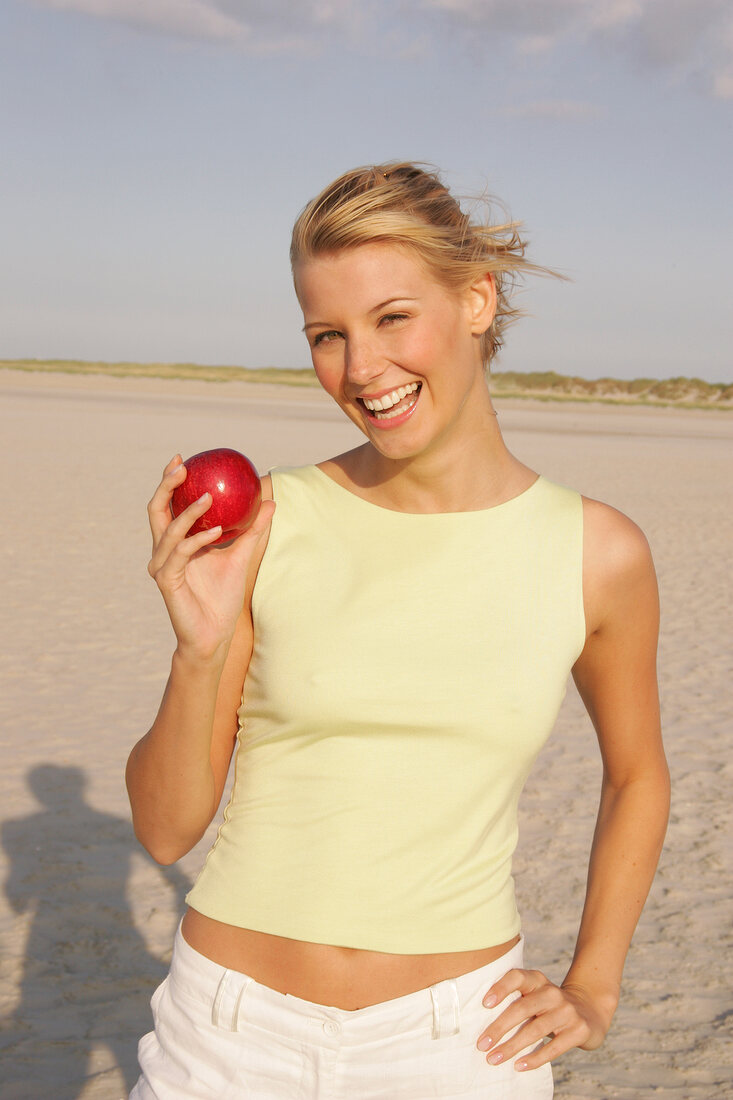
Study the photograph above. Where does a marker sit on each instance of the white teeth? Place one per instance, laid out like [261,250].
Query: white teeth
[381,404]
[389,415]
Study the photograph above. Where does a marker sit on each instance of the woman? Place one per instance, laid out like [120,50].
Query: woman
[390,649]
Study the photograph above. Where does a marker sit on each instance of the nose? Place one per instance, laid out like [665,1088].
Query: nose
[363,362]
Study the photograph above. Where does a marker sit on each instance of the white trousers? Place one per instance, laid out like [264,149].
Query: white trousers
[219,1035]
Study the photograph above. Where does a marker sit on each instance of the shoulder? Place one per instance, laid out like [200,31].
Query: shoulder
[613,541]
[288,479]
[618,570]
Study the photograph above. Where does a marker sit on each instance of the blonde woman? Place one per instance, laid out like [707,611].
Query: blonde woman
[386,651]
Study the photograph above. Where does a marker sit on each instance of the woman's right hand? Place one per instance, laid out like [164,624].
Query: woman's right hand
[204,590]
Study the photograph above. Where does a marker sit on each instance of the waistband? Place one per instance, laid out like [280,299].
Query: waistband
[232,998]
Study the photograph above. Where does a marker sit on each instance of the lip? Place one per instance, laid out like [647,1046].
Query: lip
[383,393]
[392,422]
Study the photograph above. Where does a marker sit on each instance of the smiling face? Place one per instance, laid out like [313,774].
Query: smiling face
[398,352]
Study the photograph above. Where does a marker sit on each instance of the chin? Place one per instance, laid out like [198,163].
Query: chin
[398,450]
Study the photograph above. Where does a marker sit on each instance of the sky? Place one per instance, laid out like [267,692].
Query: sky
[155,154]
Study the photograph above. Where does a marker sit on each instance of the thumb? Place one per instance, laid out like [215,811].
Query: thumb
[263,519]
[244,545]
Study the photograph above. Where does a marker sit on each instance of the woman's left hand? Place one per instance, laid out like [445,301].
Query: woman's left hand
[566,1015]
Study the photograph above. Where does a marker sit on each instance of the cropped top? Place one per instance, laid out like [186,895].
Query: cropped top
[407,669]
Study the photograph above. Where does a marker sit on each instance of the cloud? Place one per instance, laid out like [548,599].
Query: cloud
[689,38]
[615,13]
[683,36]
[178,18]
[560,109]
[723,84]
[522,17]
[253,24]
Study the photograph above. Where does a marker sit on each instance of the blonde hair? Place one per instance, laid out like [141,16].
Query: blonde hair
[405,204]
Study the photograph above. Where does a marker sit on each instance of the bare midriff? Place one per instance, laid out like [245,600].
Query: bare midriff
[342,977]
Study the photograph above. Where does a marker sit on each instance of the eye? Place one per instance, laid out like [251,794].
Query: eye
[392,318]
[326,337]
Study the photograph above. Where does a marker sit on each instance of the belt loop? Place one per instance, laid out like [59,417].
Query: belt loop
[221,990]
[238,1002]
[217,999]
[446,1009]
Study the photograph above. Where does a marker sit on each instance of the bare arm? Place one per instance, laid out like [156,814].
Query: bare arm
[616,678]
[177,771]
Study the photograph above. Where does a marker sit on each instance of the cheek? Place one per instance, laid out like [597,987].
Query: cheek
[329,375]
[414,350]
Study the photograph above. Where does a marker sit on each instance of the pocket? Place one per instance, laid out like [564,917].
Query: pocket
[457,1065]
[412,1067]
[150,1058]
[185,1057]
[148,1048]
[270,1065]
[157,997]
[504,1083]
[251,1062]
[537,1083]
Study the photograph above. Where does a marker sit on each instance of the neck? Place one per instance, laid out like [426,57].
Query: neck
[475,471]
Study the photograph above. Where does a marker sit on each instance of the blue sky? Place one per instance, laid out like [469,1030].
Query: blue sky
[156,153]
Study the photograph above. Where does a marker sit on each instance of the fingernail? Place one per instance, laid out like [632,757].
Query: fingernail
[520,1066]
[485,1042]
[203,497]
[494,1059]
[490,1001]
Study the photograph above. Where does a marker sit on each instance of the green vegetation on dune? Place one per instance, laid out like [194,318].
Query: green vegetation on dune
[684,393]
[680,392]
[185,371]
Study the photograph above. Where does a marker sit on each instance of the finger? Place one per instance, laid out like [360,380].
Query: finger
[174,564]
[174,462]
[244,542]
[546,1052]
[514,981]
[522,1008]
[547,999]
[176,531]
[523,1041]
[262,520]
[515,987]
[159,514]
[548,1016]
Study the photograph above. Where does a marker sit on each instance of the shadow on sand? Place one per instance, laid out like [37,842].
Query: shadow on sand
[87,974]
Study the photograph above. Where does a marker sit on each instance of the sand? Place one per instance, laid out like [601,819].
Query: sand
[87,919]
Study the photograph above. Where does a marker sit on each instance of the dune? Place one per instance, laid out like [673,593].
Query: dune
[683,393]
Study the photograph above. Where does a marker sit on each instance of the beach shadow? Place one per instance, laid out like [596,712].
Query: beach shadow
[87,975]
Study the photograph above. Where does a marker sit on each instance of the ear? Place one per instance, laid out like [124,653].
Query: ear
[482,303]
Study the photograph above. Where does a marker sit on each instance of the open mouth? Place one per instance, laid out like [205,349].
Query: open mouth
[392,405]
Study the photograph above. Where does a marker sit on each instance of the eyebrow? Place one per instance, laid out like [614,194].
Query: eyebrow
[376,309]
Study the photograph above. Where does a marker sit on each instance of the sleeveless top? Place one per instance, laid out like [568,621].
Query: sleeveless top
[407,669]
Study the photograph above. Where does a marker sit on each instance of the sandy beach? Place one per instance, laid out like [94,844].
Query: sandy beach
[87,919]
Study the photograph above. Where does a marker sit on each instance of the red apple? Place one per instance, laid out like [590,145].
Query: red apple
[235,490]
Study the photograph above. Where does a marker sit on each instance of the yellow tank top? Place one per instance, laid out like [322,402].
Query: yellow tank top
[407,669]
